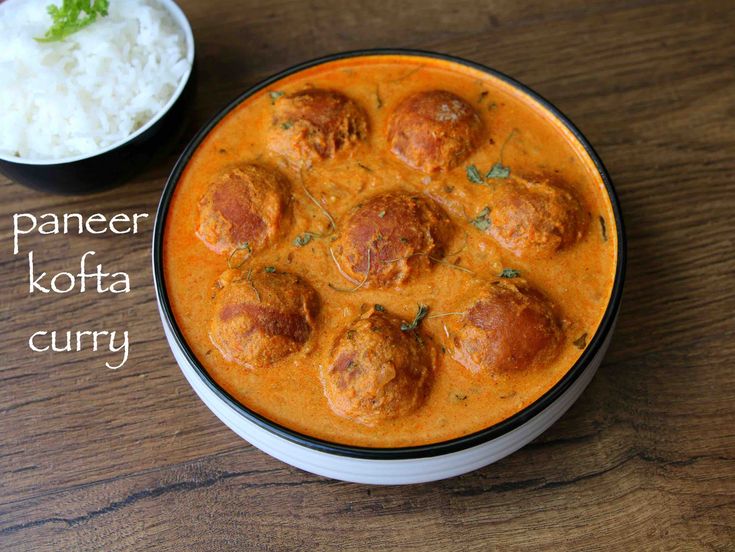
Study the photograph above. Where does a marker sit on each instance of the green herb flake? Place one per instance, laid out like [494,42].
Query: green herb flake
[351,335]
[581,341]
[510,273]
[473,175]
[381,214]
[421,313]
[603,228]
[270,269]
[403,240]
[72,16]
[498,170]
[274,95]
[482,220]
[286,125]
[302,239]
[249,279]
[245,246]
[380,308]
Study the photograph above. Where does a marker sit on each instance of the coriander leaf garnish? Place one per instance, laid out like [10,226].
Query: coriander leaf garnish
[498,171]
[473,175]
[249,279]
[443,314]
[421,313]
[505,143]
[482,220]
[245,246]
[270,269]
[510,273]
[302,239]
[274,95]
[359,284]
[321,207]
[603,228]
[451,265]
[286,125]
[381,214]
[341,270]
[581,341]
[380,308]
[72,16]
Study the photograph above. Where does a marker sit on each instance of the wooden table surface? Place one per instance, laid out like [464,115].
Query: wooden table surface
[96,459]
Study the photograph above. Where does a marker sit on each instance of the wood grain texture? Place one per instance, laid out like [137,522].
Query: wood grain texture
[94,459]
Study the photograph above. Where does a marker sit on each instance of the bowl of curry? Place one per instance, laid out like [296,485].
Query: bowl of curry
[389,266]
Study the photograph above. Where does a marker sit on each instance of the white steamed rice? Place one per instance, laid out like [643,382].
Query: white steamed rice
[93,89]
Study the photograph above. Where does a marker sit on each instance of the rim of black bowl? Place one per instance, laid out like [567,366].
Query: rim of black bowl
[179,17]
[412,452]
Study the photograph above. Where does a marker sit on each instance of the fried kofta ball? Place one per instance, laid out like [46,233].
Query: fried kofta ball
[316,124]
[245,204]
[434,131]
[262,316]
[509,327]
[395,235]
[536,219]
[377,371]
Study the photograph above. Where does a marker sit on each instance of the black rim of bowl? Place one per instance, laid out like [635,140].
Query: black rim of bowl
[412,452]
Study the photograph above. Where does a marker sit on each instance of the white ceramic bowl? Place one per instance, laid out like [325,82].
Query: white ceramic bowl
[397,465]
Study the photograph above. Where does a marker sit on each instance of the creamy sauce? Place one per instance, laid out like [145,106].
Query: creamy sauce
[578,280]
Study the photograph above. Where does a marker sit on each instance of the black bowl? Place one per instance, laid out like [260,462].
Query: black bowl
[118,162]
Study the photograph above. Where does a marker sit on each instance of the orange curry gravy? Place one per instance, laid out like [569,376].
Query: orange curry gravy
[578,280]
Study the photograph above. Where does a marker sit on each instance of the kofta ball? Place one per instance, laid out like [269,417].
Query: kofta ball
[377,371]
[391,237]
[510,326]
[434,131]
[536,219]
[262,316]
[243,205]
[316,124]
